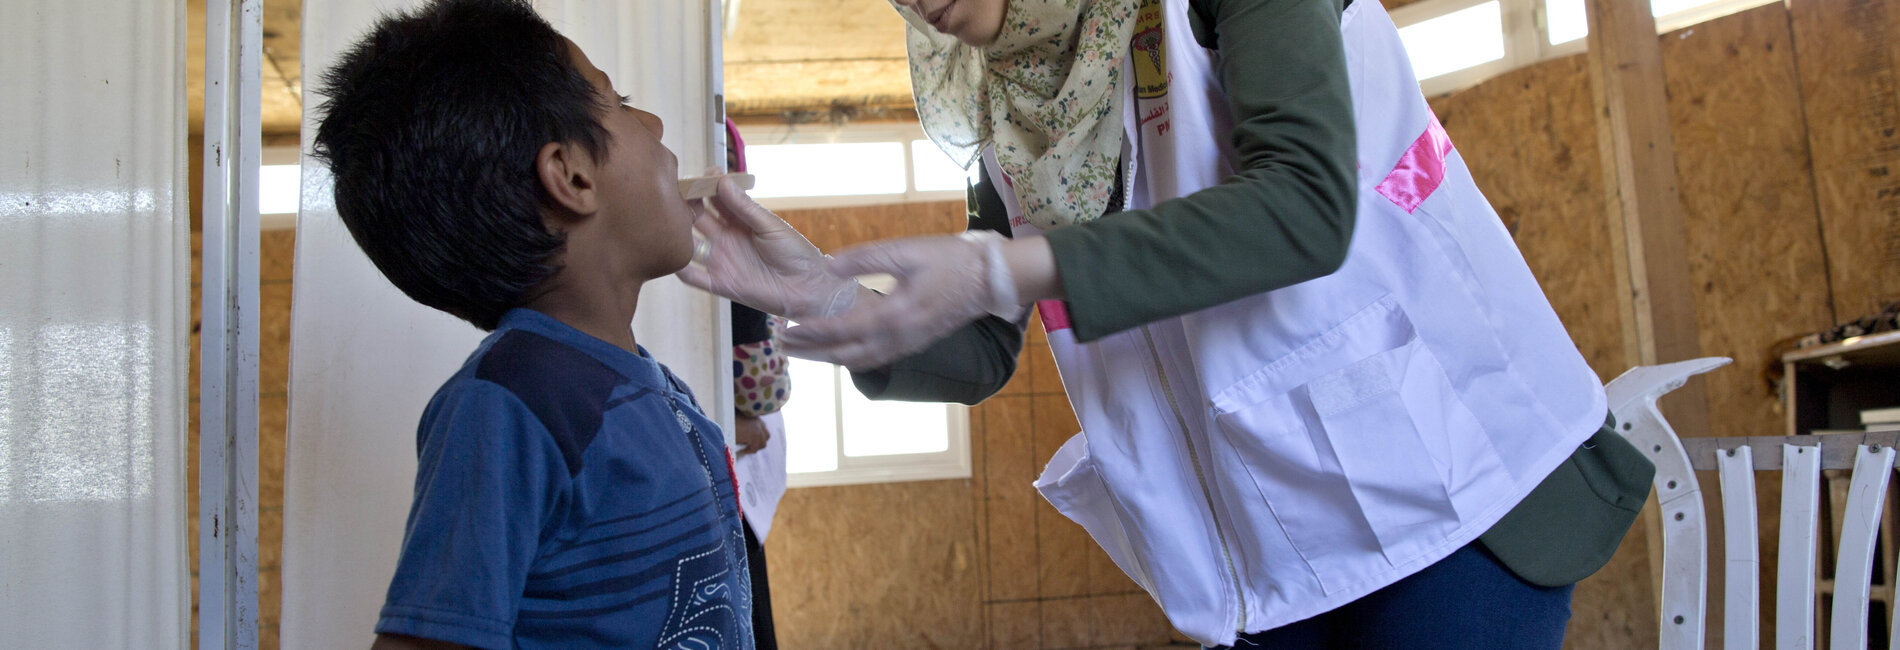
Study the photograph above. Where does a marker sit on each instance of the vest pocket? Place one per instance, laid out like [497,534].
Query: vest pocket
[1074,486]
[1335,452]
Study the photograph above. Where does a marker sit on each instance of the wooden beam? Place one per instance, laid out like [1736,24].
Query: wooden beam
[1645,213]
[1647,242]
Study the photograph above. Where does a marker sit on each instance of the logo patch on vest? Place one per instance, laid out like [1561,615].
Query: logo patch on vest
[1150,54]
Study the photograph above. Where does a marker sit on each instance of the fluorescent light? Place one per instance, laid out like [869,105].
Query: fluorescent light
[1455,41]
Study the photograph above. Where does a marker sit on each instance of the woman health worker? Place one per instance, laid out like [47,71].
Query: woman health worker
[1324,402]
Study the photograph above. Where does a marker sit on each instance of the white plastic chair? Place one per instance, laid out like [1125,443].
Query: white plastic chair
[1684,526]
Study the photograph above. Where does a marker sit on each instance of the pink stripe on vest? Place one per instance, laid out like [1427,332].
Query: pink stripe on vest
[1420,170]
[1055,315]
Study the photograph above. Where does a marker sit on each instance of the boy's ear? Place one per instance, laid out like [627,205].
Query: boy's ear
[570,178]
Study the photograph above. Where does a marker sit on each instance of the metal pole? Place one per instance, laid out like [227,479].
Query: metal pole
[227,457]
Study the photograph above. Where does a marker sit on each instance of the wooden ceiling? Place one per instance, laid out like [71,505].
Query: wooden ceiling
[784,59]
[792,60]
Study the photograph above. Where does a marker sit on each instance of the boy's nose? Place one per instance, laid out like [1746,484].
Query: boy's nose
[652,123]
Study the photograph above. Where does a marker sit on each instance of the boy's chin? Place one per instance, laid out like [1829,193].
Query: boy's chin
[678,259]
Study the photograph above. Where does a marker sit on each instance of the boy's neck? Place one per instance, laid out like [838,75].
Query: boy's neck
[603,311]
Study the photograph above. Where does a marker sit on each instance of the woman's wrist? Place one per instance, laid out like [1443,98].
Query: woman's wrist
[1032,268]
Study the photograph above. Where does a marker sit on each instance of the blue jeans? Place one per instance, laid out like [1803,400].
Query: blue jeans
[1465,601]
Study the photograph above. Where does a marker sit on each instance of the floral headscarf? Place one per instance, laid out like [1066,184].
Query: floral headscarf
[1047,94]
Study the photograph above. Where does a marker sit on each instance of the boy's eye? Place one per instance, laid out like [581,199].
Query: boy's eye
[626,100]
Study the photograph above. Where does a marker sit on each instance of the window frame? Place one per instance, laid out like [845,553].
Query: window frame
[281,156]
[902,133]
[1527,34]
[1509,13]
[954,462]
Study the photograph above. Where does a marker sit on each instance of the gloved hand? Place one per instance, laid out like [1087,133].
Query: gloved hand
[943,283]
[757,259]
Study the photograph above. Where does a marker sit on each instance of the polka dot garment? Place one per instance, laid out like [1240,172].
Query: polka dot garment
[760,374]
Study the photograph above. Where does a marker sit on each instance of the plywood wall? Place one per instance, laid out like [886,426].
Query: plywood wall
[1782,117]
[1747,187]
[1846,53]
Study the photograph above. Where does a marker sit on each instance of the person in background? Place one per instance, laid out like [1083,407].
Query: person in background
[761,382]
[1324,402]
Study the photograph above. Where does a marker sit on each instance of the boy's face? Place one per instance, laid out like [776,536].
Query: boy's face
[641,209]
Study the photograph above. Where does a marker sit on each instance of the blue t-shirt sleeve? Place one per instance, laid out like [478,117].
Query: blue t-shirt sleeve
[488,478]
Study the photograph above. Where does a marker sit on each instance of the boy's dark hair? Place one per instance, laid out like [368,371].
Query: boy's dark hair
[431,128]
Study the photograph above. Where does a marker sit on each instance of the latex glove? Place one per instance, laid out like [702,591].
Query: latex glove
[943,283]
[757,259]
[750,434]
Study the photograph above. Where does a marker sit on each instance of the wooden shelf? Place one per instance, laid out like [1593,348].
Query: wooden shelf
[1882,349]
[1824,388]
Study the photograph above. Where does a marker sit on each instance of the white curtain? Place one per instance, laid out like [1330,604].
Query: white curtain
[93,324]
[365,359]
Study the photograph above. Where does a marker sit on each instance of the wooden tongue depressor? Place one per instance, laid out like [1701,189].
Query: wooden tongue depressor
[705,186]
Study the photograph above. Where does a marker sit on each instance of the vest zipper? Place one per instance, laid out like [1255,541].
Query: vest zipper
[1207,493]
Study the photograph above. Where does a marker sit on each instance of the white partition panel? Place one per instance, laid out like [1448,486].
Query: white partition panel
[1741,602]
[227,350]
[94,324]
[1854,565]
[1800,526]
[365,359]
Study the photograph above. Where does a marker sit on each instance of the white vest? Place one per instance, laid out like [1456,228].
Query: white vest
[1269,459]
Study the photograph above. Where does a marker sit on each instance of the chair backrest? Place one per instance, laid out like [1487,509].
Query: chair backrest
[1735,460]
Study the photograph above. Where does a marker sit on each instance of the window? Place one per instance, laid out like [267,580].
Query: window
[279,187]
[1564,21]
[1458,43]
[861,164]
[834,435]
[1455,41]
[935,171]
[835,169]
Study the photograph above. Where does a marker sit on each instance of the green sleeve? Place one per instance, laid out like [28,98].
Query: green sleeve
[1571,523]
[1285,218]
[966,367]
[973,362]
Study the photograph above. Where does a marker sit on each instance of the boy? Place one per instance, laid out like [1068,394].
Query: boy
[569,491]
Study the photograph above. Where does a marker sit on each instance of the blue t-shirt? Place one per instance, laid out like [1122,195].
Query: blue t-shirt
[569,494]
